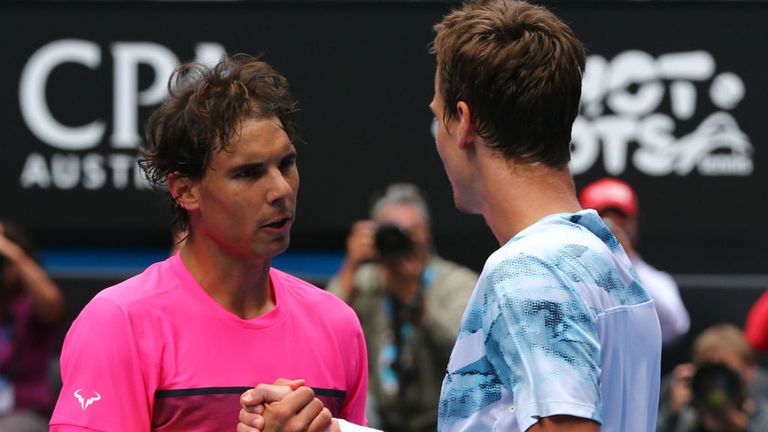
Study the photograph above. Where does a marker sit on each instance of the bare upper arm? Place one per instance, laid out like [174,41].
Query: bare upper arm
[565,423]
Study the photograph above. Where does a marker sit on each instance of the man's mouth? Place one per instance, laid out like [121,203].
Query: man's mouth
[278,223]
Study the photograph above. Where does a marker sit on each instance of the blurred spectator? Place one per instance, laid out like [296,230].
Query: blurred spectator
[30,307]
[756,327]
[722,390]
[721,404]
[617,203]
[410,303]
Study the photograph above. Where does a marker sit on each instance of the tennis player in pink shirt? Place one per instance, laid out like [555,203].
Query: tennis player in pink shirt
[173,348]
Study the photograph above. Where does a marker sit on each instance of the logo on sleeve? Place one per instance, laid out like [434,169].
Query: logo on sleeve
[85,403]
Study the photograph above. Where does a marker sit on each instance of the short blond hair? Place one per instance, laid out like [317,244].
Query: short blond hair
[722,339]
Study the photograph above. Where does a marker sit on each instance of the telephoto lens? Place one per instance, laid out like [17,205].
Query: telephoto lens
[392,243]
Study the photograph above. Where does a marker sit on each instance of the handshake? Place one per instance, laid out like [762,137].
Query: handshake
[288,405]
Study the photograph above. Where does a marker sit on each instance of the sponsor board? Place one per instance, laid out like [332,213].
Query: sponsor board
[637,98]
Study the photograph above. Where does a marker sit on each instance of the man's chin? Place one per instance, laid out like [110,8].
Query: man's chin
[271,250]
[281,247]
[460,205]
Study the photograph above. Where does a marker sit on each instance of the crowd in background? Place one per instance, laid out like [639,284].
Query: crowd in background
[410,302]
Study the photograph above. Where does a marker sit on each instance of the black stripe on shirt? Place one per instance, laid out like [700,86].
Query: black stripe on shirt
[235,390]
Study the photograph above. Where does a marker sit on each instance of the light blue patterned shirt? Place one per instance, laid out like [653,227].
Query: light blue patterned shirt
[558,324]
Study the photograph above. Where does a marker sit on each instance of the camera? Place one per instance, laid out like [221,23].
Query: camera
[715,387]
[392,242]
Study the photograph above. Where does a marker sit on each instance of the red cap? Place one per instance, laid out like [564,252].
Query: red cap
[609,193]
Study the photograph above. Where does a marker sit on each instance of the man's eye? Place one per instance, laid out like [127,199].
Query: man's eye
[287,163]
[248,173]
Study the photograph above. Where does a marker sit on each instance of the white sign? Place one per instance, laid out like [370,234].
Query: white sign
[621,104]
[69,167]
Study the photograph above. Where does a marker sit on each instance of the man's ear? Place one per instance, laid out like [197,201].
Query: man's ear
[183,190]
[466,134]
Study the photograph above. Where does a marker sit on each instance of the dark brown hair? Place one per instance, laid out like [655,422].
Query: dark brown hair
[519,69]
[204,113]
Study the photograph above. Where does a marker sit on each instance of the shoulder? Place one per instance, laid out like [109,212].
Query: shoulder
[568,254]
[527,263]
[543,270]
[104,329]
[308,297]
[520,282]
[546,244]
[138,295]
[155,280]
[298,288]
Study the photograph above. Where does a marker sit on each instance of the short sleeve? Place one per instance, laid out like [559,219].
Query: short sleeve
[542,340]
[103,387]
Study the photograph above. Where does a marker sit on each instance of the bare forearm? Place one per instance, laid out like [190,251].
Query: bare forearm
[46,296]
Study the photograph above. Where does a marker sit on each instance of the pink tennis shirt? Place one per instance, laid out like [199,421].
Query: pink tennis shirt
[157,353]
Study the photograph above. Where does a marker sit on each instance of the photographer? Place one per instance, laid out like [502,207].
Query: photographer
[409,301]
[721,390]
[31,306]
[721,404]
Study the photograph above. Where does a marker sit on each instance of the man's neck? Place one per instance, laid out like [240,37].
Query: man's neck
[517,195]
[241,286]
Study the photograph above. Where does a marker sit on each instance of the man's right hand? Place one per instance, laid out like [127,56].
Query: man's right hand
[361,243]
[681,394]
[361,247]
[283,406]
